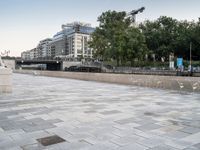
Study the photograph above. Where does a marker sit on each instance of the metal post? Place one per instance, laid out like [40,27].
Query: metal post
[191,54]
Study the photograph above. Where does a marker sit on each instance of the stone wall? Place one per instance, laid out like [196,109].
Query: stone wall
[189,84]
[9,63]
[5,80]
[68,64]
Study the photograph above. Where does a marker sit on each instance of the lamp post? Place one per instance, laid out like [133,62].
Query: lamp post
[191,54]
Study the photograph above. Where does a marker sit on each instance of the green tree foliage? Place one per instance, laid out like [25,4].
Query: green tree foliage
[167,35]
[160,35]
[195,39]
[135,45]
[116,39]
[99,44]
[112,39]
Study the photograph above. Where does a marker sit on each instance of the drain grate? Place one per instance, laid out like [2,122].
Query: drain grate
[50,140]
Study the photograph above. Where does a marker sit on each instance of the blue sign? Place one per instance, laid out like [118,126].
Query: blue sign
[179,62]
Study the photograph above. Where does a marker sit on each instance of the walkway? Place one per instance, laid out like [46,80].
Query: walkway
[96,116]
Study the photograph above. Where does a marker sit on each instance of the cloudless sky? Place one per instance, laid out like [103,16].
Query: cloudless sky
[23,23]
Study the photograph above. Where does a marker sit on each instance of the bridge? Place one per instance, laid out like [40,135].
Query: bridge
[51,64]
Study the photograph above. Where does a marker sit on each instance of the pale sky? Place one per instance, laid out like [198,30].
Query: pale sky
[25,22]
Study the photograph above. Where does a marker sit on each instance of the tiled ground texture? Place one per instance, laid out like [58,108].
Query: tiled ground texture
[97,116]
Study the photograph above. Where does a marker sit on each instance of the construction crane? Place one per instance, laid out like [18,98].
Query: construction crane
[133,13]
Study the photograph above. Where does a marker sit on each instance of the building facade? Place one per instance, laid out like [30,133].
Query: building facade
[25,55]
[57,45]
[70,42]
[33,54]
[43,48]
[77,46]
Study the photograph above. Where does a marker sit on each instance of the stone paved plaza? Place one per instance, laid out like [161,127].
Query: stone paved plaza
[97,116]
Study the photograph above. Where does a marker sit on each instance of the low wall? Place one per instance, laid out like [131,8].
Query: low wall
[189,84]
[9,63]
[68,64]
[5,80]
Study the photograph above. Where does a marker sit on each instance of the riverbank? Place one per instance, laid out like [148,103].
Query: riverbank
[187,84]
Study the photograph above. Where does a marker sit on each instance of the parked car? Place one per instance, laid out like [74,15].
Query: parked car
[72,68]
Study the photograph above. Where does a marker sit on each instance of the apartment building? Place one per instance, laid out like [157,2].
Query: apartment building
[25,55]
[33,54]
[70,42]
[57,45]
[78,45]
[43,48]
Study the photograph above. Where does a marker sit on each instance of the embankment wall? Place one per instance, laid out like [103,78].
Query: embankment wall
[189,84]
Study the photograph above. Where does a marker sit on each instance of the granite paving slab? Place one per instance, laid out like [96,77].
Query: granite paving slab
[97,116]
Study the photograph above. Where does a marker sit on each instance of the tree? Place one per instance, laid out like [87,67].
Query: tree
[195,39]
[108,40]
[182,41]
[115,39]
[160,35]
[167,35]
[136,46]
[99,44]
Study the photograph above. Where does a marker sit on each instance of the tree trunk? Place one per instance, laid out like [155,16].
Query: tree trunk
[132,62]
[117,62]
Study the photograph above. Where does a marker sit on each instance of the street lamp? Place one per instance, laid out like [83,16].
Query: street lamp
[190,54]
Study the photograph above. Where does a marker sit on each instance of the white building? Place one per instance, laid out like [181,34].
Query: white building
[72,41]
[43,48]
[58,44]
[78,45]
[25,55]
[33,54]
